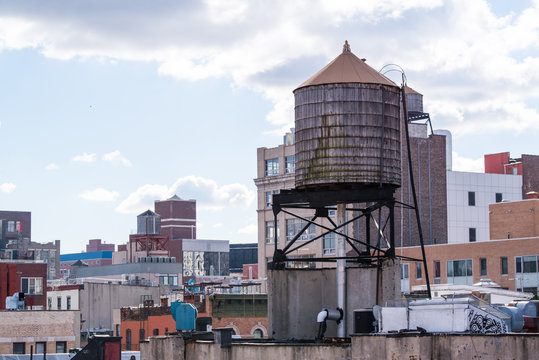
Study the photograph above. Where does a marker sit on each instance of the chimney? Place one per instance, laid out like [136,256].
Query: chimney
[531,195]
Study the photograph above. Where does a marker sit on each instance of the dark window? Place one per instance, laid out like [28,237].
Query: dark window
[499,197]
[418,274]
[117,329]
[41,347]
[155,332]
[59,303]
[61,347]
[437,271]
[471,232]
[68,303]
[141,335]
[503,263]
[166,331]
[530,264]
[483,264]
[518,263]
[471,198]
[128,340]
[19,348]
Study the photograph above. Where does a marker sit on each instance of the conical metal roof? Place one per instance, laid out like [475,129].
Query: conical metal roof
[347,68]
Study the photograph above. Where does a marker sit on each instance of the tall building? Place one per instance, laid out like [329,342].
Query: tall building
[526,165]
[98,245]
[178,217]
[15,233]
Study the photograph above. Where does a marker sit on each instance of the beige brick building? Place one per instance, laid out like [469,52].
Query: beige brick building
[50,331]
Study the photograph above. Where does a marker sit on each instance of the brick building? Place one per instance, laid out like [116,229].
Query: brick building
[526,165]
[246,314]
[98,245]
[15,233]
[26,276]
[510,258]
[44,331]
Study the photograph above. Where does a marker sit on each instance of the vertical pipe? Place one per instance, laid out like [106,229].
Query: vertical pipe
[368,231]
[341,272]
[430,198]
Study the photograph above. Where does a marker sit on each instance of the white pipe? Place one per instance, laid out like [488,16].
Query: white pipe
[341,271]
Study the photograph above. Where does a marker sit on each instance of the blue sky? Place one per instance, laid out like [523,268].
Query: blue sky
[107,106]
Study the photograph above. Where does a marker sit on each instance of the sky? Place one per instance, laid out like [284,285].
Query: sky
[106,106]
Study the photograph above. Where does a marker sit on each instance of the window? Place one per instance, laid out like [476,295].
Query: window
[456,268]
[155,332]
[270,232]
[471,198]
[418,274]
[483,266]
[32,286]
[301,264]
[437,272]
[329,244]
[503,265]
[117,329]
[166,331]
[290,162]
[471,234]
[41,347]
[19,348]
[11,228]
[258,334]
[294,226]
[68,303]
[49,303]
[59,303]
[141,335]
[61,347]
[499,197]
[405,272]
[269,197]
[272,167]
[529,264]
[128,340]
[514,171]
[518,264]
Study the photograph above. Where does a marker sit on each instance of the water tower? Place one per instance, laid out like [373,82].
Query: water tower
[349,125]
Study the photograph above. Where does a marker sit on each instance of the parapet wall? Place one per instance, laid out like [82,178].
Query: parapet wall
[365,347]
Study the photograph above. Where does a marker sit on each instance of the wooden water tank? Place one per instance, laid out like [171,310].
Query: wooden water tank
[347,126]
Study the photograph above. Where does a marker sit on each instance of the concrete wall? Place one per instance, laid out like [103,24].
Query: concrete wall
[176,348]
[378,347]
[296,296]
[30,327]
[445,346]
[97,300]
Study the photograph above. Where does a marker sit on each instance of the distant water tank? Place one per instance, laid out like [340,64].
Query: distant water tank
[148,223]
[184,314]
[347,126]
[414,100]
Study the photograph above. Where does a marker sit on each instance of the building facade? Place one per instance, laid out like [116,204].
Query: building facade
[24,276]
[510,257]
[99,245]
[39,332]
[93,258]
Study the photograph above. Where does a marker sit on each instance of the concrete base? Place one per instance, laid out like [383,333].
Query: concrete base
[296,296]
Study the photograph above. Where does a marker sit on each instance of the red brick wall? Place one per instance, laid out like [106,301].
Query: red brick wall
[494,163]
[530,174]
[10,282]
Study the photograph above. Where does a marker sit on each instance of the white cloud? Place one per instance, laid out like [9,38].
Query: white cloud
[99,194]
[117,157]
[217,226]
[461,163]
[51,166]
[208,194]
[249,229]
[467,60]
[7,187]
[87,158]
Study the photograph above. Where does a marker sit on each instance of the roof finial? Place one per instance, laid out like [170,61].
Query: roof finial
[346,47]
